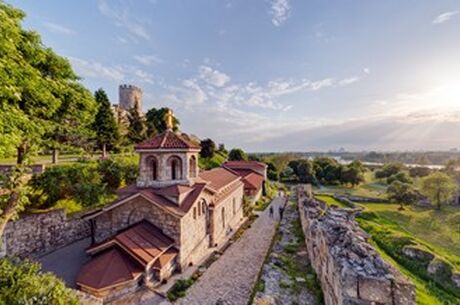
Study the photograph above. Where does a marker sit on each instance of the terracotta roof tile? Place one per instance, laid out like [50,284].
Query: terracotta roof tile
[253,181]
[165,258]
[169,140]
[252,165]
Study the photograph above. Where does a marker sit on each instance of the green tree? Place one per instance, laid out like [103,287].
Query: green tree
[105,125]
[72,120]
[327,170]
[237,154]
[390,169]
[33,84]
[402,193]
[352,174]
[208,147]
[111,173]
[136,129]
[272,172]
[156,121]
[306,171]
[439,188]
[22,282]
[222,148]
[401,177]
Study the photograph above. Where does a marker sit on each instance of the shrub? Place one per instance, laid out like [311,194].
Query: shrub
[178,289]
[111,173]
[23,283]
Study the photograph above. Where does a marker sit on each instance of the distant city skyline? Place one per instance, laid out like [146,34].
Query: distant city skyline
[278,75]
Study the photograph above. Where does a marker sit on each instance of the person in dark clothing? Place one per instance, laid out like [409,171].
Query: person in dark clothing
[271,211]
[281,211]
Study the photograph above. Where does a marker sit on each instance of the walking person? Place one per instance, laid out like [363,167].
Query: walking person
[281,211]
[271,211]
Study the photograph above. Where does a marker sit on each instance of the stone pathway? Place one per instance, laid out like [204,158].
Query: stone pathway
[230,280]
[287,277]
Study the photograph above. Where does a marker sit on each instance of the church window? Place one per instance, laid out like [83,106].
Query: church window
[154,169]
[223,217]
[234,206]
[192,167]
[194,213]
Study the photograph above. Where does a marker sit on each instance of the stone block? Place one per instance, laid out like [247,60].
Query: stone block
[375,290]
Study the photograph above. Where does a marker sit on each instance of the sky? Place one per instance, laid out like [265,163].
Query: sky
[274,75]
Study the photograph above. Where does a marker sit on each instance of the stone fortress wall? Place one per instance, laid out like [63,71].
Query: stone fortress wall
[128,95]
[350,270]
[37,234]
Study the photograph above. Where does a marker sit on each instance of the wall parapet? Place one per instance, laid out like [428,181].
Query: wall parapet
[37,234]
[349,268]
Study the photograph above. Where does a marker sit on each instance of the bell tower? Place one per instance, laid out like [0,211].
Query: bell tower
[167,159]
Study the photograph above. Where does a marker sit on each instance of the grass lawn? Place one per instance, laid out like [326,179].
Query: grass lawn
[329,200]
[439,229]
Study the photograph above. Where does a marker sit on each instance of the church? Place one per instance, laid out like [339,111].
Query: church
[173,217]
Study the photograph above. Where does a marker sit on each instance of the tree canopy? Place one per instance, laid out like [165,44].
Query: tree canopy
[237,154]
[208,147]
[439,188]
[156,121]
[105,125]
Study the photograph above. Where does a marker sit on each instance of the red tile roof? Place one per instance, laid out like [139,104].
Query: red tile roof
[253,181]
[252,165]
[108,269]
[169,140]
[219,177]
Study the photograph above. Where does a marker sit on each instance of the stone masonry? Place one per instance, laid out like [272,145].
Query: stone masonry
[37,234]
[349,268]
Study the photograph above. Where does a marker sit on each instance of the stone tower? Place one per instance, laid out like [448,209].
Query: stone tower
[130,96]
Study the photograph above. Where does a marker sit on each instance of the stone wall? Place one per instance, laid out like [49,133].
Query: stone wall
[111,222]
[37,234]
[350,270]
[87,299]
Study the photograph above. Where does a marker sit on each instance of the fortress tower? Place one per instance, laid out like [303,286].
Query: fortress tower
[130,96]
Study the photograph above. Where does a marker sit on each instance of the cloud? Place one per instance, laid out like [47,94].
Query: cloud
[93,69]
[121,16]
[213,77]
[57,28]
[367,70]
[444,17]
[124,73]
[148,59]
[280,11]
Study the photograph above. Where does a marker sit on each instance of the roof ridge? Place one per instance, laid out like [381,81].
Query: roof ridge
[165,135]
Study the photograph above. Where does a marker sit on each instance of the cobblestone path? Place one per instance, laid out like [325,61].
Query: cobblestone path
[230,280]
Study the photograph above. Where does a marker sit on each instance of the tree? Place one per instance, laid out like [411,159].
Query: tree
[22,282]
[222,148]
[156,121]
[136,129]
[327,170]
[353,173]
[208,148]
[419,171]
[105,125]
[72,120]
[237,154]
[401,177]
[439,188]
[390,169]
[305,171]
[402,193]
[33,80]
[272,172]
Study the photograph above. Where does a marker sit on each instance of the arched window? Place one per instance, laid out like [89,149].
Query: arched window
[234,206]
[152,167]
[175,164]
[192,167]
[223,217]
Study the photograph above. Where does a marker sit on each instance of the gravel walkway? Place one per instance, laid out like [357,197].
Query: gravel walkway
[230,280]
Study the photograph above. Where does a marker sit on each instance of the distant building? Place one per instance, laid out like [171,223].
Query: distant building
[173,217]
[129,96]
